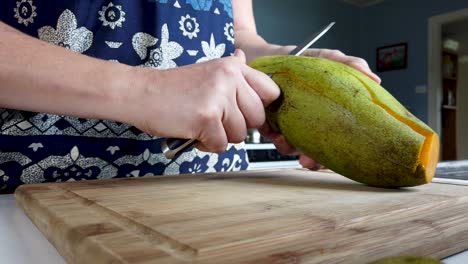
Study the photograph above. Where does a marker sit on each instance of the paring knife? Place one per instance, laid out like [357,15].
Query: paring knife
[173,147]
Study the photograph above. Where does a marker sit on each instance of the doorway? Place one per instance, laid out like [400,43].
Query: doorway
[447,87]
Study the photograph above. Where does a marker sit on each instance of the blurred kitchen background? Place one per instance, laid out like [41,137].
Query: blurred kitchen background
[428,40]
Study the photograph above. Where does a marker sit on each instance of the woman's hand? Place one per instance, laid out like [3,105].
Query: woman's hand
[336,55]
[214,102]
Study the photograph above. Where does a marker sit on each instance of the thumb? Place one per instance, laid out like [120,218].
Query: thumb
[238,53]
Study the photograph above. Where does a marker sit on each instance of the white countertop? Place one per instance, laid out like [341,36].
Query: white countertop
[22,243]
[20,240]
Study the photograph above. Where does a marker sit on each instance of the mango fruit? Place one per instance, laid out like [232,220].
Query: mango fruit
[349,123]
[407,260]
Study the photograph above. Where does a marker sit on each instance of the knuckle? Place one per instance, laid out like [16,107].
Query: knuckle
[337,52]
[219,147]
[237,137]
[274,95]
[227,68]
[214,86]
[257,121]
[321,53]
[208,116]
[273,91]
[236,130]
[213,145]
[359,61]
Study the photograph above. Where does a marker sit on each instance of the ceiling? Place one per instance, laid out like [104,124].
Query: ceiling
[457,31]
[363,3]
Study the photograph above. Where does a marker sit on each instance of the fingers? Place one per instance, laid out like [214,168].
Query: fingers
[242,107]
[267,131]
[308,163]
[216,135]
[251,106]
[284,148]
[238,53]
[213,137]
[336,55]
[262,84]
[362,66]
[255,91]
[234,124]
[278,140]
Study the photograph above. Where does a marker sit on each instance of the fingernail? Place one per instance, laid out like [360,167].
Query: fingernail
[377,79]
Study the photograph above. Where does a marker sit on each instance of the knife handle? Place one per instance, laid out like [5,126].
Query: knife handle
[173,147]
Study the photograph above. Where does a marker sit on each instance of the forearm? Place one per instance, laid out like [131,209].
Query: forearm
[37,76]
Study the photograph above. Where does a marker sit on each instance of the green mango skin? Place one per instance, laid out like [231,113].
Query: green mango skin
[326,111]
[407,260]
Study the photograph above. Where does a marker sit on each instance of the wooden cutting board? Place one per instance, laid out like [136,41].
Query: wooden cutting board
[278,216]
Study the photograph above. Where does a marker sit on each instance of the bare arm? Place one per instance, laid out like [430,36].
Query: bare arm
[37,76]
[213,102]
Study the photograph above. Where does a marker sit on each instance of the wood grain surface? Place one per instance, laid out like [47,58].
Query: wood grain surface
[277,216]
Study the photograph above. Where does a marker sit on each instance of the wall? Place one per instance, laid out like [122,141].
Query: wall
[395,21]
[290,22]
[462,111]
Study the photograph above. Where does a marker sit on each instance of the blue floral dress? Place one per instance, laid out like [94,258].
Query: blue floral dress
[162,34]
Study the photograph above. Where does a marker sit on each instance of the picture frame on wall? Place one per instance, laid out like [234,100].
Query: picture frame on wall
[392,57]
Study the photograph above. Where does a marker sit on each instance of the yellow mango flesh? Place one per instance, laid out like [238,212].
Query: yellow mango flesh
[407,260]
[347,122]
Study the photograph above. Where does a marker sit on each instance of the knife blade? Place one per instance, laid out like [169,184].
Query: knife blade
[173,147]
[311,40]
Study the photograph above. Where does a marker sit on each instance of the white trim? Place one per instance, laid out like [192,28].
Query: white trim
[434,87]
[434,84]
[250,146]
[267,165]
[449,181]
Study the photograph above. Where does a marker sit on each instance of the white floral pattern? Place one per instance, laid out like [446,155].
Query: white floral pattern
[4,177]
[113,149]
[212,51]
[68,166]
[113,44]
[25,12]
[36,146]
[233,164]
[229,32]
[141,42]
[192,52]
[67,34]
[189,26]
[112,15]
[161,57]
